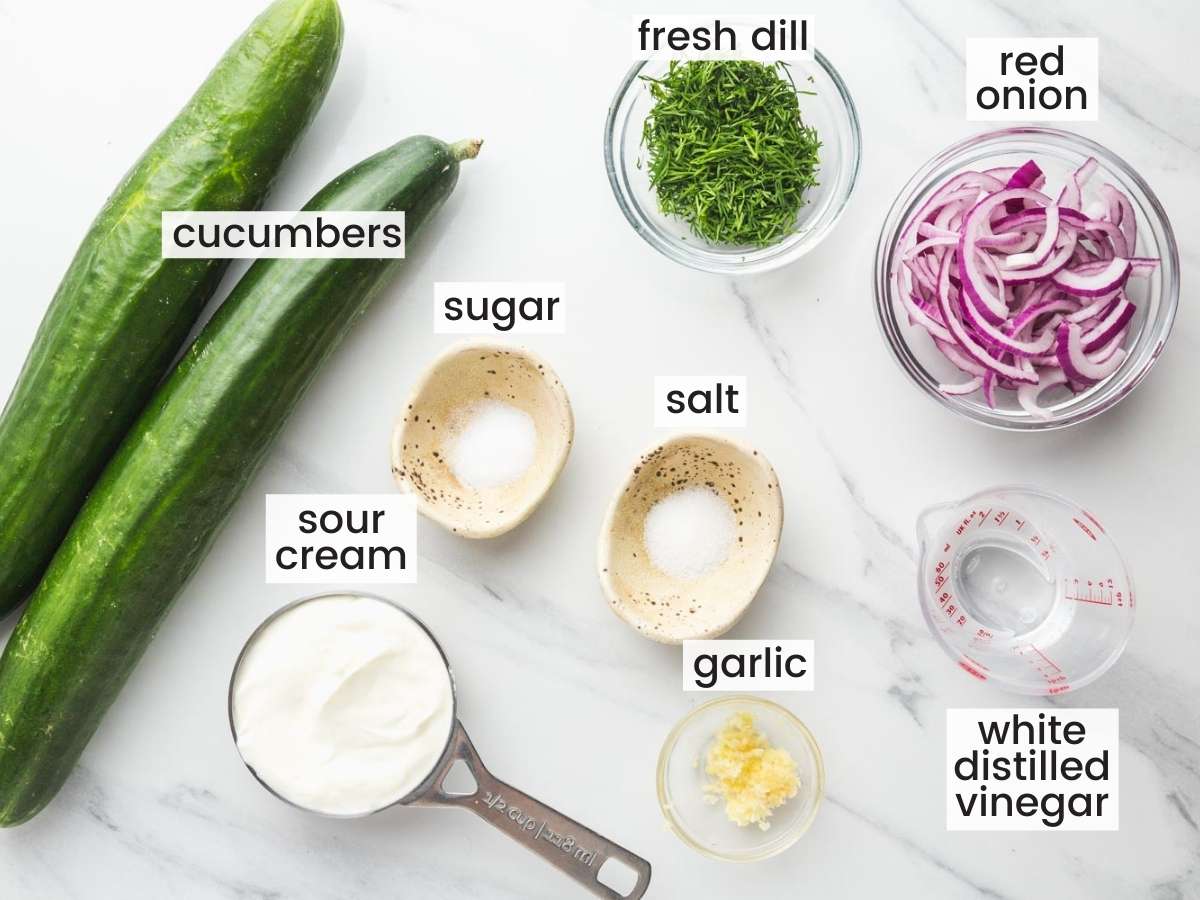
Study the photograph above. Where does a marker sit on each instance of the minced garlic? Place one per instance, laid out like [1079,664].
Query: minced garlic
[751,776]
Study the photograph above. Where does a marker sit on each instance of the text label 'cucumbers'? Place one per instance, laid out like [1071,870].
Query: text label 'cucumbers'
[316,234]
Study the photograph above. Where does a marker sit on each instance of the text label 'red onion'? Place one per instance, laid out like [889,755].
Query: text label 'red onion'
[317,234]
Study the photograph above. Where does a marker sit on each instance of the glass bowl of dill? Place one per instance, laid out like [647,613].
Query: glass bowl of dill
[733,167]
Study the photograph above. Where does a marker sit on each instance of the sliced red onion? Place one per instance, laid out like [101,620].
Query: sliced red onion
[1120,213]
[987,301]
[1028,394]
[958,390]
[977,180]
[1096,307]
[929,243]
[1025,218]
[989,389]
[918,316]
[1018,291]
[997,337]
[1027,316]
[1057,260]
[1045,244]
[1027,175]
[1113,324]
[1072,192]
[959,359]
[1094,282]
[1010,242]
[1113,240]
[928,230]
[1076,364]
[961,336]
[1113,346]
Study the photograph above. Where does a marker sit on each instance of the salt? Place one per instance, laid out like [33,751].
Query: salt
[494,446]
[689,533]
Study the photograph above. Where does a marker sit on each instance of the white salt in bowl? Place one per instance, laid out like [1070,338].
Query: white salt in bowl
[669,608]
[461,392]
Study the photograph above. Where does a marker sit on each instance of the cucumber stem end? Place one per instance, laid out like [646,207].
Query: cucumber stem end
[468,149]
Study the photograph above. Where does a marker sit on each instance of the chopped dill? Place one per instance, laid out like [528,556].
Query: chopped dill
[728,151]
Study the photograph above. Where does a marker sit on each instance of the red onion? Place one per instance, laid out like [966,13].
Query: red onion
[1091,281]
[1020,291]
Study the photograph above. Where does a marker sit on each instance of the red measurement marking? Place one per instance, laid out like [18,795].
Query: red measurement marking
[984,517]
[1045,657]
[1048,676]
[1094,521]
[976,663]
[1100,593]
[1084,528]
[1001,516]
[1020,523]
[970,670]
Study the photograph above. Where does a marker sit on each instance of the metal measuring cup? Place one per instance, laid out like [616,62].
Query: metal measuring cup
[571,847]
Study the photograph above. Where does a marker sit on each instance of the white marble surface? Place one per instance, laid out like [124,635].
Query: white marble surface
[560,696]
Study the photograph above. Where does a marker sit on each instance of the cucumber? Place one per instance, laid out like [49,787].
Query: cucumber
[122,312]
[156,508]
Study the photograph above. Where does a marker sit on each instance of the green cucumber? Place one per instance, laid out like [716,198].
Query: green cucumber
[156,508]
[122,312]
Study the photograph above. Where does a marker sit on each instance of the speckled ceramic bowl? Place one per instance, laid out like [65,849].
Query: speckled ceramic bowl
[463,376]
[672,610]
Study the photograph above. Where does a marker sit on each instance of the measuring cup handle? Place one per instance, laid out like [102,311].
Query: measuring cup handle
[561,841]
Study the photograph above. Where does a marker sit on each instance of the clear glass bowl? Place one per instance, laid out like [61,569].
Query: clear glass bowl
[1058,153]
[831,112]
[681,780]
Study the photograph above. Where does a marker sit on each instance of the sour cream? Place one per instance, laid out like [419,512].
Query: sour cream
[342,705]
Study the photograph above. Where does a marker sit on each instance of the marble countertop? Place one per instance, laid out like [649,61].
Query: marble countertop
[561,698]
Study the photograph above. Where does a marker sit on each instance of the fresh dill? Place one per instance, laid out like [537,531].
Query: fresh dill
[728,151]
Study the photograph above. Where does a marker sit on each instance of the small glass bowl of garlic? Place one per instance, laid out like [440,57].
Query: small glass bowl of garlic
[740,779]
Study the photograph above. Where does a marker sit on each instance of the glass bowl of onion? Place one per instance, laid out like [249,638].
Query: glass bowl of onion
[1026,278]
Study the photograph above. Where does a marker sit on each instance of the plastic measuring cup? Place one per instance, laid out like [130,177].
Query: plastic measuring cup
[575,849]
[1024,588]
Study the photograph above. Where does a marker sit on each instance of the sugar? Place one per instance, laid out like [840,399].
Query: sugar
[689,533]
[495,445]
